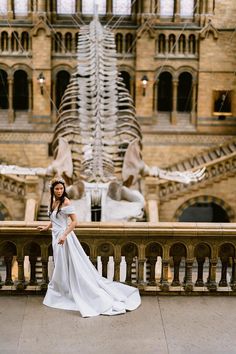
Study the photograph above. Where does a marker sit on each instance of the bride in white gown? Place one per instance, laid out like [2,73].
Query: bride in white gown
[76,283]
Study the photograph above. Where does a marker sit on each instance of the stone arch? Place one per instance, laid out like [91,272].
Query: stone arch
[161,43]
[20,90]
[25,41]
[4,41]
[192,44]
[119,42]
[205,199]
[182,44]
[58,42]
[68,42]
[172,44]
[62,79]
[4,103]
[165,91]
[129,43]
[185,92]
[4,213]
[14,41]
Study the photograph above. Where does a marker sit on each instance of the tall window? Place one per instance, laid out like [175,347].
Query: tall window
[88,7]
[165,92]
[121,7]
[186,8]
[62,80]
[21,7]
[167,8]
[185,92]
[66,7]
[4,41]
[3,90]
[3,7]
[20,91]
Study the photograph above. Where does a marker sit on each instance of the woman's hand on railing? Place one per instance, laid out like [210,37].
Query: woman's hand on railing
[43,228]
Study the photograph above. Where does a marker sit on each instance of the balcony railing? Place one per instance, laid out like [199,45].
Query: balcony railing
[163,258]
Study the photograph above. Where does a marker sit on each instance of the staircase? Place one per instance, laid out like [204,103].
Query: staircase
[43,213]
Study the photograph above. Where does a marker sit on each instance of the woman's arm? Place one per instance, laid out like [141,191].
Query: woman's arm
[44,228]
[70,228]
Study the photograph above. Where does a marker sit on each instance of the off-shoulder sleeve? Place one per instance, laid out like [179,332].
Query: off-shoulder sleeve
[69,209]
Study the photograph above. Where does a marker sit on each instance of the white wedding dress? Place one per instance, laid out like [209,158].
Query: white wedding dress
[76,283]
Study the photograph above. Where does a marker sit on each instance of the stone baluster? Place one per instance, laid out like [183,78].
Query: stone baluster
[33,260]
[141,262]
[212,286]
[174,109]
[104,260]
[44,274]
[224,266]
[117,262]
[200,263]
[21,276]
[129,261]
[152,262]
[176,260]
[8,262]
[233,277]
[165,271]
[10,101]
[188,279]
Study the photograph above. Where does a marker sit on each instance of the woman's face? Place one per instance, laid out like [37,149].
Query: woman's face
[58,190]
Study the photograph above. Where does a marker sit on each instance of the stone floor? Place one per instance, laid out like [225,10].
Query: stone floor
[176,325]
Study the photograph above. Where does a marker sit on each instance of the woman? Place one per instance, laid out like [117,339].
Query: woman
[76,284]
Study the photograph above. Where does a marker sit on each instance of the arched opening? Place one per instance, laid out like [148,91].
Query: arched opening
[129,43]
[119,43]
[192,44]
[184,102]
[58,42]
[25,41]
[62,80]
[171,44]
[182,44]
[204,212]
[20,91]
[161,44]
[126,78]
[68,42]
[14,42]
[3,90]
[165,92]
[4,41]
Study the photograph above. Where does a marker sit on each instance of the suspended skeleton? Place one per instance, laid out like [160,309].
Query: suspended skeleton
[97,141]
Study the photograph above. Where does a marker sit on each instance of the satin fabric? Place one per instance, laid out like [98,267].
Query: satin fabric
[76,283]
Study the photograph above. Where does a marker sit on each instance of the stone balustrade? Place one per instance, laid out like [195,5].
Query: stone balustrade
[159,258]
[13,185]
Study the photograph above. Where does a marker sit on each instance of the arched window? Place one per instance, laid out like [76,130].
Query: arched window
[88,7]
[121,7]
[62,80]
[14,41]
[4,41]
[66,7]
[166,8]
[161,44]
[186,8]
[3,90]
[129,43]
[126,78]
[184,102]
[119,43]
[25,41]
[68,42]
[20,91]
[3,7]
[171,44]
[182,44]
[21,7]
[192,44]
[58,42]
[76,40]
[204,212]
[165,92]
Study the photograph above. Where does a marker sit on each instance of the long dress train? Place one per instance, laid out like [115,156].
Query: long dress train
[76,283]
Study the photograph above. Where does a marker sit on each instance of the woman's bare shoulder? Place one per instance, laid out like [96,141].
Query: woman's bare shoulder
[66,202]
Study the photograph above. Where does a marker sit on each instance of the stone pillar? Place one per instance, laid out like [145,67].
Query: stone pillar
[10,12]
[41,6]
[196,10]
[104,260]
[177,11]
[146,6]
[10,101]
[117,262]
[212,286]
[109,8]
[193,110]
[233,277]
[164,281]
[152,210]
[200,263]
[21,276]
[209,7]
[156,95]
[8,262]
[188,280]
[78,6]
[129,261]
[174,109]
[30,99]
[30,210]
[141,262]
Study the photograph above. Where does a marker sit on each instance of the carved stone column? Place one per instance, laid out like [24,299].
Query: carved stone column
[33,260]
[10,101]
[200,263]
[164,282]
[78,5]
[21,276]
[193,110]
[8,262]
[224,266]
[104,260]
[117,262]
[212,286]
[188,280]
[233,278]
[141,270]
[129,262]
[10,9]
[44,274]
[177,11]
[174,109]
[152,261]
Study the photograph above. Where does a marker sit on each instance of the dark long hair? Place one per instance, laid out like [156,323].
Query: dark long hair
[61,199]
